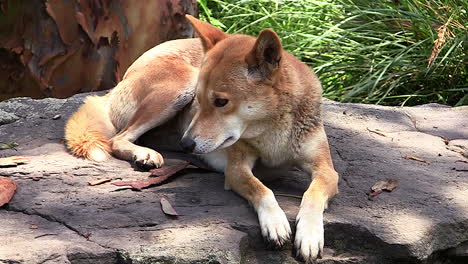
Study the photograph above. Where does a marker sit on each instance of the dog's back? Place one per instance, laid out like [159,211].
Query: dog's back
[167,71]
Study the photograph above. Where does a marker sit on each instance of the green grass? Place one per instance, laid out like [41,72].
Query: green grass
[365,51]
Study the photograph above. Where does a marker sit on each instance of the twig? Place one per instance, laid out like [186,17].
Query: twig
[45,235]
[99,181]
[416,159]
[376,132]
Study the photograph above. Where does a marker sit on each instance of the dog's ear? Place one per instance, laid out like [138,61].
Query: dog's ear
[209,34]
[265,57]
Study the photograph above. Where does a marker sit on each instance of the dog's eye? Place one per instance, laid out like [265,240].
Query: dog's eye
[220,102]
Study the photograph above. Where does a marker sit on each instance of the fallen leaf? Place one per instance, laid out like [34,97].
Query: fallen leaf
[162,173]
[167,207]
[33,227]
[416,159]
[11,145]
[385,185]
[376,132]
[12,161]
[375,193]
[99,181]
[7,189]
[169,169]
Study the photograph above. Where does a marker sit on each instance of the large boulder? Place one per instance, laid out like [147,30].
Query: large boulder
[424,220]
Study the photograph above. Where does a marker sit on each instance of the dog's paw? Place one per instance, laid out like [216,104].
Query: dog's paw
[309,240]
[273,222]
[147,159]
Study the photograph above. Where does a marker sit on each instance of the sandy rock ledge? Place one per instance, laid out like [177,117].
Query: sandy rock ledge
[424,220]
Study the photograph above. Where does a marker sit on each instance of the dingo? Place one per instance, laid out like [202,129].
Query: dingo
[237,100]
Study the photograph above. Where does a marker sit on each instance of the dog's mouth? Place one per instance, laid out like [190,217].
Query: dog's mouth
[228,142]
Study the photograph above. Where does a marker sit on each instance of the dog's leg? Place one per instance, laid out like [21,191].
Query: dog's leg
[273,222]
[152,112]
[309,237]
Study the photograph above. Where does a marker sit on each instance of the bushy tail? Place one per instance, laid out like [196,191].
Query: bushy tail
[88,131]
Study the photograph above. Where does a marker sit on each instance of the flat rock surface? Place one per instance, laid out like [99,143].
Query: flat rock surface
[56,217]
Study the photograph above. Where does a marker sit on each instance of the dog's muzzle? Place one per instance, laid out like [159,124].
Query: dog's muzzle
[187,144]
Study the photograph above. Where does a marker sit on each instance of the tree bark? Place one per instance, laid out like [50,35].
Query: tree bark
[57,48]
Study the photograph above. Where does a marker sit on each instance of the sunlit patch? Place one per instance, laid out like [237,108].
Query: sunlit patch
[410,227]
[457,194]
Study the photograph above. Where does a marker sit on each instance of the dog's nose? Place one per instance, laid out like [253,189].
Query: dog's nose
[187,144]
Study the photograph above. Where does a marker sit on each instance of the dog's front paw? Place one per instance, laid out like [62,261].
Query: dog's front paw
[309,240]
[273,222]
[147,159]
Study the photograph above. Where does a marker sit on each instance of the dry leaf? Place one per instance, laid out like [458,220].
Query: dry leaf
[12,161]
[416,159]
[169,169]
[162,173]
[374,193]
[385,185]
[167,207]
[99,181]
[11,145]
[7,189]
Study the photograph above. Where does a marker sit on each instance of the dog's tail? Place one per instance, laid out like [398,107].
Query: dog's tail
[88,131]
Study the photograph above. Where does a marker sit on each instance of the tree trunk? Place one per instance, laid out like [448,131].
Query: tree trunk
[57,48]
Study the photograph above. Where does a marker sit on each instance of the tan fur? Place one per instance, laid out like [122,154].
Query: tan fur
[87,133]
[271,115]
[145,98]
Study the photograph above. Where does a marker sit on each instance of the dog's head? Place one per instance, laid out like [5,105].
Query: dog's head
[235,90]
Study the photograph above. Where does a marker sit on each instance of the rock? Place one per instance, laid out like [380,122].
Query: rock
[7,118]
[460,250]
[459,145]
[51,242]
[424,220]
